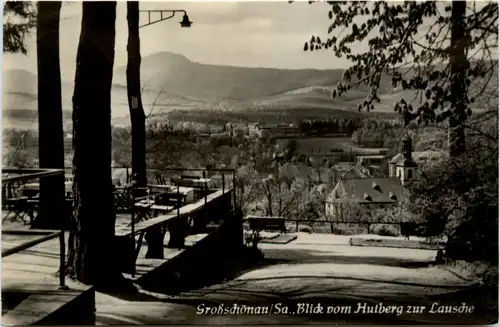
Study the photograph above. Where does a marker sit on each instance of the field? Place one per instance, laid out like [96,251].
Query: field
[327,145]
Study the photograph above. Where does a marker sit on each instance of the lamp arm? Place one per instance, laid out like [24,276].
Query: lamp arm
[172,14]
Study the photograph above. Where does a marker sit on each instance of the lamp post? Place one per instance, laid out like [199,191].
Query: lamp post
[184,23]
[154,238]
[138,117]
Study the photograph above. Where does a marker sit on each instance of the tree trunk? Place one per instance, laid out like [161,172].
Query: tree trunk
[137,116]
[53,213]
[91,256]
[154,238]
[458,67]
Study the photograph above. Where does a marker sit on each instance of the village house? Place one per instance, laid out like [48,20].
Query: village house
[370,160]
[345,169]
[374,192]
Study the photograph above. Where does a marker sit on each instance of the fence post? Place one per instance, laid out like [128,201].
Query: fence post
[132,223]
[178,201]
[223,182]
[297,226]
[234,188]
[205,191]
[331,227]
[62,261]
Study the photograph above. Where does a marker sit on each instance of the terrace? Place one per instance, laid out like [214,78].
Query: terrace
[181,213]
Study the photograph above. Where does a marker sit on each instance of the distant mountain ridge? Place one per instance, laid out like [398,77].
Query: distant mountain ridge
[179,79]
[172,81]
[180,76]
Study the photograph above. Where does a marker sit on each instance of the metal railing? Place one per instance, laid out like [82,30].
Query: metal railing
[205,185]
[205,174]
[332,223]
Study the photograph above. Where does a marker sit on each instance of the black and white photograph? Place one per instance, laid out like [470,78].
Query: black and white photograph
[250,163]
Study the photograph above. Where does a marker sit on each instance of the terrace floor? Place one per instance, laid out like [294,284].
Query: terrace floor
[33,273]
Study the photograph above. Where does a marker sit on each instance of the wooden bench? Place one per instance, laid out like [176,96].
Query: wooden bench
[258,224]
[267,223]
[409,229]
[173,220]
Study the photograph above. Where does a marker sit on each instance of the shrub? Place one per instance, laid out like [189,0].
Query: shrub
[386,230]
[305,229]
[345,230]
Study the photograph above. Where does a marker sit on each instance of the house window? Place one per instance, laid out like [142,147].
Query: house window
[410,173]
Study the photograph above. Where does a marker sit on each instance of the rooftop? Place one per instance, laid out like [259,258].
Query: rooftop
[372,156]
[372,189]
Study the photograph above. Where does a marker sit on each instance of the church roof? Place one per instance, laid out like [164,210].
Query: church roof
[396,158]
[369,190]
[418,156]
[400,160]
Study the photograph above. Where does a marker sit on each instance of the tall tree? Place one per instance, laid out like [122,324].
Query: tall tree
[19,18]
[137,115]
[91,257]
[53,211]
[444,51]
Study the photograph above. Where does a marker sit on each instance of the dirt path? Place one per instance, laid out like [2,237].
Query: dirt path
[308,274]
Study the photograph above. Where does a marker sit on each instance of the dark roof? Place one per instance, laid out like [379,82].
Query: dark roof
[400,160]
[372,189]
[357,171]
[396,158]
[372,156]
[342,166]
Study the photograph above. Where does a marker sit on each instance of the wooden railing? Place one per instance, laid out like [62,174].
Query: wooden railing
[17,201]
[45,236]
[15,177]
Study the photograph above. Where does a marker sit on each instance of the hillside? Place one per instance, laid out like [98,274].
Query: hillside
[194,80]
[173,82]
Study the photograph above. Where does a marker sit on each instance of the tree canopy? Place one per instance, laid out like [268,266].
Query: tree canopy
[19,20]
[446,52]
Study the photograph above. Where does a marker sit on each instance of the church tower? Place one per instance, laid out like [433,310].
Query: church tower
[405,167]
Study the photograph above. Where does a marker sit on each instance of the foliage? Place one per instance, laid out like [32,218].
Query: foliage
[291,149]
[246,187]
[20,139]
[320,126]
[20,148]
[19,159]
[393,32]
[220,118]
[19,20]
[444,52]
[460,198]
[378,134]
[281,191]
[385,230]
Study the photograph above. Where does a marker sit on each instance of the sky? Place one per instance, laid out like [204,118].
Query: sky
[241,33]
[250,34]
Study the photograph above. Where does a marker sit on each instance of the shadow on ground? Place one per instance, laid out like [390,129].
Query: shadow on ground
[224,272]
[221,286]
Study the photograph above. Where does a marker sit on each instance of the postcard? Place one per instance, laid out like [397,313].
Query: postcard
[249,162]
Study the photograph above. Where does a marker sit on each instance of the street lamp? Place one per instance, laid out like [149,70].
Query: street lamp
[184,23]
